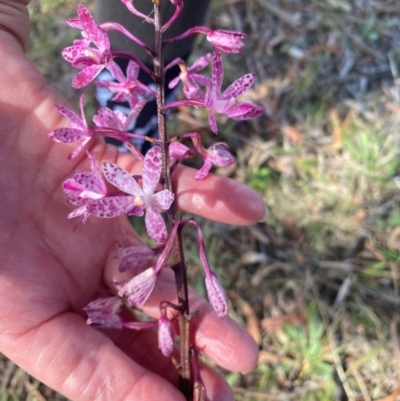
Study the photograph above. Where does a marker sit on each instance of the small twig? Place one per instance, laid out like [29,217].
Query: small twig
[332,343]
[289,19]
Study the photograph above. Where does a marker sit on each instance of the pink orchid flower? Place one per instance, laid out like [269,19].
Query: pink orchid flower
[227,41]
[189,78]
[84,189]
[116,120]
[127,88]
[226,103]
[144,198]
[109,123]
[88,59]
[78,130]
[218,155]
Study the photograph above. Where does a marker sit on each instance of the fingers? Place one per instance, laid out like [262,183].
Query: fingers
[218,198]
[84,365]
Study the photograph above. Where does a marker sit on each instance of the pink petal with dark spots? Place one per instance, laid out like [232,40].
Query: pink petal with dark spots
[107,118]
[139,288]
[83,62]
[151,170]
[121,179]
[132,71]
[77,212]
[74,23]
[191,88]
[135,257]
[86,76]
[155,226]
[71,187]
[71,53]
[96,173]
[91,184]
[113,206]
[201,63]
[68,135]
[212,122]
[238,87]
[244,111]
[116,71]
[162,200]
[93,31]
[217,73]
[209,98]
[72,116]
[227,41]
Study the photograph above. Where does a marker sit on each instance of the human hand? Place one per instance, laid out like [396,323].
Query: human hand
[49,272]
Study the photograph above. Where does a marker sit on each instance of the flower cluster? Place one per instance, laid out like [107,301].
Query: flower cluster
[108,190]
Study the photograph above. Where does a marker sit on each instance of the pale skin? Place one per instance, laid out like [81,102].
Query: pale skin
[48,272]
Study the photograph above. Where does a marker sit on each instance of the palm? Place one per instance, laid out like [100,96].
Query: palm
[49,272]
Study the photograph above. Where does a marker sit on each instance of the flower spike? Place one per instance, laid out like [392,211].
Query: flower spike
[88,59]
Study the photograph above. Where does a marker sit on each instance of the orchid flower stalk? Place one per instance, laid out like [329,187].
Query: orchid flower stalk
[108,190]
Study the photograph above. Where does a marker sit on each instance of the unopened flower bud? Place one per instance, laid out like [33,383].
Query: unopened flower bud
[216,295]
[166,335]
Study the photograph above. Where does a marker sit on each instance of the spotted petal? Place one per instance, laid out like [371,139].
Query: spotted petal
[93,31]
[114,206]
[217,74]
[162,200]
[155,226]
[72,116]
[238,87]
[132,71]
[244,111]
[90,183]
[68,135]
[71,53]
[86,76]
[151,170]
[107,118]
[121,179]
[201,63]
